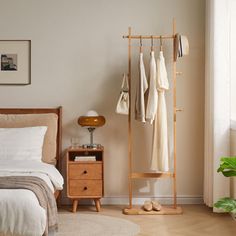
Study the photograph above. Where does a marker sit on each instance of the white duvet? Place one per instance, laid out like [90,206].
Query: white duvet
[20,212]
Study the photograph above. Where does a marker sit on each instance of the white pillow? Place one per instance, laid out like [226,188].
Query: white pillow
[22,143]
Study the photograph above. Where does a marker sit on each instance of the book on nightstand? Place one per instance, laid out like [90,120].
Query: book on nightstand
[85,158]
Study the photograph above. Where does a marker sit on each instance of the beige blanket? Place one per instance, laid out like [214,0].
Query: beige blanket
[41,190]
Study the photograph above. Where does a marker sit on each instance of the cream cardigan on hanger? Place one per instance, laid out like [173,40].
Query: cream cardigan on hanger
[160,152]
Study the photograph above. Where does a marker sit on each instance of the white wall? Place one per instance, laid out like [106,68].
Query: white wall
[78,57]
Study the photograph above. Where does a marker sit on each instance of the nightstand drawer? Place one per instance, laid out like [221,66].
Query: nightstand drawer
[85,188]
[85,171]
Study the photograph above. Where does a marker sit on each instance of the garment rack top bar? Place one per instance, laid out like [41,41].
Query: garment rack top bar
[149,36]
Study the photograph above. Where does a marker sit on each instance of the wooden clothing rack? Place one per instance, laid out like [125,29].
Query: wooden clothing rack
[135,175]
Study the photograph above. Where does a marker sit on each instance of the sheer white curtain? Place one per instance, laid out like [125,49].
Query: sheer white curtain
[217,98]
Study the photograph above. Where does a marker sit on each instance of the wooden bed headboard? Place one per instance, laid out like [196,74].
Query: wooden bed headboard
[57,111]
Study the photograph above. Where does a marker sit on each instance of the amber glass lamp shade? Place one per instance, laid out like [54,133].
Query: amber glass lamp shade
[91,121]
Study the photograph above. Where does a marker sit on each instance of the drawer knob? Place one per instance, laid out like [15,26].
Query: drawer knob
[85,172]
[85,188]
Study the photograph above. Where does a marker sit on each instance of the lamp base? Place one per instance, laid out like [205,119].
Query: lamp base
[92,146]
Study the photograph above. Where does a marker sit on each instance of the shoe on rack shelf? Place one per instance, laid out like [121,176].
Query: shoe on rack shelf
[147,206]
[156,206]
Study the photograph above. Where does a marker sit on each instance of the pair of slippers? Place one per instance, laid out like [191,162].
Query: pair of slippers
[151,205]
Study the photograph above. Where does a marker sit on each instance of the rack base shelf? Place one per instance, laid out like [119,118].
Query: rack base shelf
[166,210]
[136,175]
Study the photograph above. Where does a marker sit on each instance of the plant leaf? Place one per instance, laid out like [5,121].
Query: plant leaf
[227,166]
[226,204]
[229,173]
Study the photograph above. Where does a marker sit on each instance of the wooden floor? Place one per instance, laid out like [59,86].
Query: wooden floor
[196,220]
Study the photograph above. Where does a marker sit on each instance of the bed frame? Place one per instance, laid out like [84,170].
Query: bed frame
[57,111]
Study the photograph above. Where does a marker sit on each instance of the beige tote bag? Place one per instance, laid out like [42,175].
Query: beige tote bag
[122,106]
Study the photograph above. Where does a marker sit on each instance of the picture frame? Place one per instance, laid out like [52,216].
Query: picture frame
[15,62]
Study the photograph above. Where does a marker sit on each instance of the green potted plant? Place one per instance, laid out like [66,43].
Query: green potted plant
[228,169]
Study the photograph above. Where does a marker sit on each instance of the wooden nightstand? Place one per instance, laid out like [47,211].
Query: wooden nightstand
[85,178]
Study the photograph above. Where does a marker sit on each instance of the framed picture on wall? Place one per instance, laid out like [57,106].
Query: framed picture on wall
[15,62]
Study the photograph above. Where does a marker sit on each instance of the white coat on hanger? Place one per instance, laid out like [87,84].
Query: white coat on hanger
[152,93]
[142,87]
[160,152]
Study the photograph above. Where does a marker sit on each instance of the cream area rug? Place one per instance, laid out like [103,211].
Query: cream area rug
[95,225]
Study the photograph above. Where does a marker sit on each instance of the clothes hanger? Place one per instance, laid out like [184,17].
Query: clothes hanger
[141,44]
[161,46]
[152,48]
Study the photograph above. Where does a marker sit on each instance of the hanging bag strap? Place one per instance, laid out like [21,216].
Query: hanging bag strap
[125,83]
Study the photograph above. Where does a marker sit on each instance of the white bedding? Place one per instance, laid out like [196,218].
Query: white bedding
[20,212]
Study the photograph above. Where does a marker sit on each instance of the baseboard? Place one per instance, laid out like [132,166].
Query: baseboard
[165,200]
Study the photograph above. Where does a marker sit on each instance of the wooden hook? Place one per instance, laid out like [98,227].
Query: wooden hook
[178,109]
[179,73]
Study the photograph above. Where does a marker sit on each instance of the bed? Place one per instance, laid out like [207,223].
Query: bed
[30,179]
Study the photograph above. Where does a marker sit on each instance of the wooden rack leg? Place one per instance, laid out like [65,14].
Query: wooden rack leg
[129,122]
[174,112]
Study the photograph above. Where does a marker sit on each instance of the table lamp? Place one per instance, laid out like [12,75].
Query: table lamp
[91,120]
